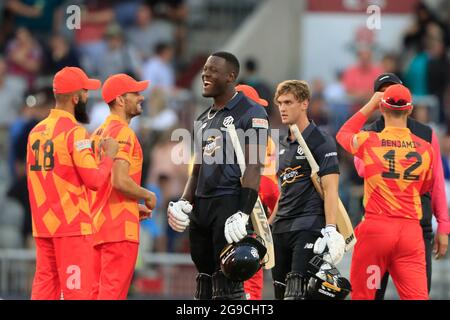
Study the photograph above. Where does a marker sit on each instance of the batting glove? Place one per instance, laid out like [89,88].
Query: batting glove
[332,240]
[235,229]
[178,215]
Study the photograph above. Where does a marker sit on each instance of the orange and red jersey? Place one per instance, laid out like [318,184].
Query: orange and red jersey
[268,187]
[398,168]
[60,169]
[116,216]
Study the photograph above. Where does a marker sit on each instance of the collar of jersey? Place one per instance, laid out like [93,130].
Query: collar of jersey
[57,113]
[305,132]
[397,130]
[233,102]
[112,117]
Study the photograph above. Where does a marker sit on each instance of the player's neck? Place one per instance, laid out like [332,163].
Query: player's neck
[121,114]
[395,122]
[302,124]
[221,101]
[66,107]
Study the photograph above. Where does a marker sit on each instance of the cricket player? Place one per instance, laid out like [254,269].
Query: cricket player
[398,169]
[60,170]
[433,202]
[215,204]
[115,206]
[302,216]
[268,191]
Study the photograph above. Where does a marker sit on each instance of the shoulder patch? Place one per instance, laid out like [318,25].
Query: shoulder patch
[82,144]
[260,123]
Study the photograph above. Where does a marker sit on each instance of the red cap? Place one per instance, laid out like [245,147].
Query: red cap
[70,79]
[397,97]
[120,84]
[252,94]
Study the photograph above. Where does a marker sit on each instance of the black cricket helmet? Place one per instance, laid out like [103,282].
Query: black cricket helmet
[240,261]
[326,282]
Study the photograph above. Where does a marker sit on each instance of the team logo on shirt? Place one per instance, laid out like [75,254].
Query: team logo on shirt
[211,146]
[290,175]
[228,121]
[301,153]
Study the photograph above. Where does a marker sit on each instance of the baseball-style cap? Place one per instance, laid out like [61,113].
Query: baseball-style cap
[70,79]
[385,78]
[120,84]
[252,94]
[397,97]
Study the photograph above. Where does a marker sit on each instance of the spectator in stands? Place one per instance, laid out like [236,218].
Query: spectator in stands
[12,89]
[59,55]
[89,40]
[159,70]
[358,78]
[438,70]
[147,33]
[24,56]
[252,78]
[35,15]
[119,57]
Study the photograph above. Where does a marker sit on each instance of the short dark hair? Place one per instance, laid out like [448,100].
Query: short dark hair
[161,47]
[230,59]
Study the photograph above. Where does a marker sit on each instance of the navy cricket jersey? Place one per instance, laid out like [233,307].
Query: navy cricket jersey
[300,206]
[218,174]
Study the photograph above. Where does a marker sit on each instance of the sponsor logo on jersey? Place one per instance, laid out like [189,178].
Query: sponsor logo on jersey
[260,123]
[331,154]
[309,246]
[289,175]
[211,146]
[82,144]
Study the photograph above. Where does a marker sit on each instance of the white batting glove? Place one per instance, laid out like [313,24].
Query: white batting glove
[335,243]
[235,229]
[177,215]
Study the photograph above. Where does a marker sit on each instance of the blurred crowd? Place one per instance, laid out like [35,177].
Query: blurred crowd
[143,38]
[147,39]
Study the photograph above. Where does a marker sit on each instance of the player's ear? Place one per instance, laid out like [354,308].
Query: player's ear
[410,111]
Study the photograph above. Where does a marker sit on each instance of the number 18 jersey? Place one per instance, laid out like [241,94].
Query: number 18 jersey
[60,168]
[398,168]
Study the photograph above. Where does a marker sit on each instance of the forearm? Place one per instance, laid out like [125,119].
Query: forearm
[351,127]
[130,188]
[438,196]
[191,185]
[330,203]
[22,9]
[93,178]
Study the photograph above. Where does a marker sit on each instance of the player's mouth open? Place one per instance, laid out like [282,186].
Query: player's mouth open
[206,84]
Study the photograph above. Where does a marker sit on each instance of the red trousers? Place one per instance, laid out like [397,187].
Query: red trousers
[63,265]
[114,264]
[253,287]
[389,244]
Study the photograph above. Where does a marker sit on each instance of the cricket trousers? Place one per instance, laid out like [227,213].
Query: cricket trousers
[389,244]
[114,264]
[64,265]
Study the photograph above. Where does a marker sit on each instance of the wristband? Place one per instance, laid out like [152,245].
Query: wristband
[247,200]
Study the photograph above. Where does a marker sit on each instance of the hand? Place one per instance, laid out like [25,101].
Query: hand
[109,146]
[440,245]
[144,212]
[335,243]
[235,229]
[376,99]
[150,202]
[177,215]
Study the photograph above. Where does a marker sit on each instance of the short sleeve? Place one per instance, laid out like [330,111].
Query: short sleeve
[327,157]
[126,139]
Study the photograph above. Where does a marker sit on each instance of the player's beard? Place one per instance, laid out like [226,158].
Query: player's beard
[81,114]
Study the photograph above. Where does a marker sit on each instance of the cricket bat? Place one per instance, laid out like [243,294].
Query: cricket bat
[344,225]
[258,216]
